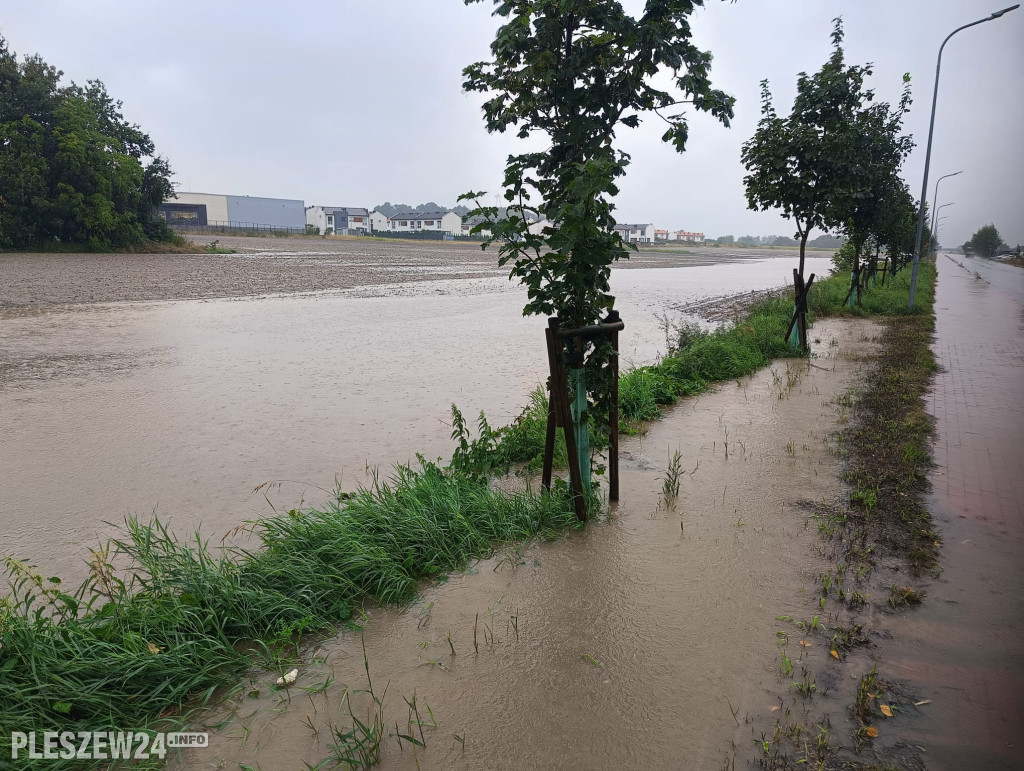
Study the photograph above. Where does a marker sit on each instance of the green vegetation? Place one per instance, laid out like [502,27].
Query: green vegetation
[213,247]
[986,241]
[833,163]
[131,648]
[579,74]
[827,298]
[73,171]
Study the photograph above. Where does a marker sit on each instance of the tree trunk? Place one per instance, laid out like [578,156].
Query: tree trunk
[803,247]
[801,320]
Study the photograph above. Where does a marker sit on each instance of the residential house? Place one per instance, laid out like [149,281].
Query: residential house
[471,222]
[684,235]
[636,234]
[417,222]
[342,220]
[378,222]
[661,235]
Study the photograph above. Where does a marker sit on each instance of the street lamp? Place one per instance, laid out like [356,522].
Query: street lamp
[928,152]
[935,225]
[935,199]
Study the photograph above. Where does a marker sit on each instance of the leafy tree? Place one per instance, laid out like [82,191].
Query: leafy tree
[72,169]
[749,241]
[577,73]
[800,163]
[827,241]
[896,226]
[783,241]
[725,240]
[986,241]
[875,191]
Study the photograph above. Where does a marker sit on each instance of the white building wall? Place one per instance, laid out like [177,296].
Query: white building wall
[315,216]
[451,223]
[216,205]
[378,221]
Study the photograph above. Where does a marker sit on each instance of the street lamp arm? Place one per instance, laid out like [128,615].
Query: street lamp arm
[935,197]
[928,151]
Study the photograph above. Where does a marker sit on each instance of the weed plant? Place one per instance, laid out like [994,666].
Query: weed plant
[135,649]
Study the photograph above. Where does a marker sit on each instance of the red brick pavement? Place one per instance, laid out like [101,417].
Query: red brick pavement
[964,648]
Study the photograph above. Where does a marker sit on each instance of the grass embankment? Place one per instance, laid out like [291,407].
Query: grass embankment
[130,650]
[698,358]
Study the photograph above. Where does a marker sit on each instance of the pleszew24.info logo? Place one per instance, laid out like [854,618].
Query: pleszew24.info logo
[100,745]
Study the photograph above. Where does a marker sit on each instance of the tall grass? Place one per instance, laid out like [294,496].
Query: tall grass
[827,297]
[128,649]
[696,359]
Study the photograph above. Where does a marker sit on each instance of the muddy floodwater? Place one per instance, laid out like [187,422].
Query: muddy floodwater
[627,645]
[183,407]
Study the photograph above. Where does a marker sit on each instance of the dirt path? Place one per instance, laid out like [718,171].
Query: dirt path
[628,645]
[964,649]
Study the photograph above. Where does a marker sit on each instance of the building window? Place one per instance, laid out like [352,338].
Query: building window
[429,222]
[403,223]
[356,219]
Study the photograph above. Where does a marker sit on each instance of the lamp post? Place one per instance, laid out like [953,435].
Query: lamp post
[928,152]
[935,200]
[935,224]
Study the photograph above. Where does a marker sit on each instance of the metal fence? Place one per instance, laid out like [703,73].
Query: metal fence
[425,235]
[235,228]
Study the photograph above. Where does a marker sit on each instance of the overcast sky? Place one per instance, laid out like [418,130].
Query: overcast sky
[354,103]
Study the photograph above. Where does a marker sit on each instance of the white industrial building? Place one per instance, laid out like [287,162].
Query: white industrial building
[233,211]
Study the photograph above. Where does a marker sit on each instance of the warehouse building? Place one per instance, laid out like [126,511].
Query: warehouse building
[241,211]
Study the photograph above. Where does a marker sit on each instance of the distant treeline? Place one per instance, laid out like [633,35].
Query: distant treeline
[389,209]
[824,241]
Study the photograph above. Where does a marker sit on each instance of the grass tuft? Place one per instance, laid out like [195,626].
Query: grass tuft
[130,650]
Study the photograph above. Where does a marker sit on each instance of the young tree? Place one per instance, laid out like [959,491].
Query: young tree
[576,73]
[986,241]
[873,159]
[799,163]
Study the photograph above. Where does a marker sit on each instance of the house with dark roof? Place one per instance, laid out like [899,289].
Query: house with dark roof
[342,220]
[417,222]
[636,234]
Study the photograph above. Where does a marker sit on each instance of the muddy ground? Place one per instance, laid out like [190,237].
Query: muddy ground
[265,266]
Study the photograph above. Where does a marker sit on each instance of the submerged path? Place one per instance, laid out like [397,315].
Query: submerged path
[964,649]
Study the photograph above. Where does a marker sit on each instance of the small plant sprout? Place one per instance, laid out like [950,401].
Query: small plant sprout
[670,483]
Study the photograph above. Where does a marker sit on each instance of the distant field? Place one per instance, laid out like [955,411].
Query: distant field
[285,265]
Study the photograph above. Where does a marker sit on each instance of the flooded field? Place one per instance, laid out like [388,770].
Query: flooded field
[183,407]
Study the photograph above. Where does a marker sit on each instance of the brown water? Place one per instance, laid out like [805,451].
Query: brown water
[184,407]
[631,641]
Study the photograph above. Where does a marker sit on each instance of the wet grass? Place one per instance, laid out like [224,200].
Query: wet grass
[137,648]
[881,531]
